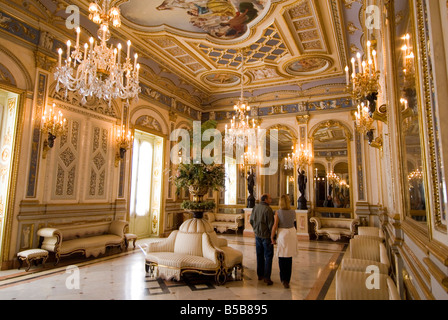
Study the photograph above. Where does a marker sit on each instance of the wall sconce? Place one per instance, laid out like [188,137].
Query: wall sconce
[53,124]
[124,139]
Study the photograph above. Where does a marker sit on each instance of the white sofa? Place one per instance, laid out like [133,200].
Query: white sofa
[355,285]
[364,253]
[225,221]
[90,239]
[334,228]
[195,247]
[371,233]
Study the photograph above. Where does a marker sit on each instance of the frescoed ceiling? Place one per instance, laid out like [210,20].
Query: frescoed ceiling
[284,43]
[291,48]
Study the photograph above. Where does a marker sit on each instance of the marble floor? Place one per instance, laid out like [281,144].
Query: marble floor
[121,276]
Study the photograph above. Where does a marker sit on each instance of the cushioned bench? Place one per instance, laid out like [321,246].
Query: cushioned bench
[225,221]
[193,248]
[334,228]
[90,239]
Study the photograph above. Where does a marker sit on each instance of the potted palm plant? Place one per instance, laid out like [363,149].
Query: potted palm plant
[199,178]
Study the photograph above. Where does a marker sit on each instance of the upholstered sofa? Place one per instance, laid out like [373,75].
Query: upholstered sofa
[222,222]
[355,285]
[195,247]
[90,239]
[334,228]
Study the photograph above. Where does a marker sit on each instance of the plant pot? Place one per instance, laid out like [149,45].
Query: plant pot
[197,214]
[198,192]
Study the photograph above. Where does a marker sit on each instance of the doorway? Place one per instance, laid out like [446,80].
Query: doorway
[9,111]
[146,184]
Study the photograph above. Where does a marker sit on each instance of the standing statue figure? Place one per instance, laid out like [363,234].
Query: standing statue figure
[302,180]
[250,189]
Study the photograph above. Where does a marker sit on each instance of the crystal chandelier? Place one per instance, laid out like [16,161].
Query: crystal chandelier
[250,157]
[363,120]
[98,69]
[241,132]
[301,158]
[332,178]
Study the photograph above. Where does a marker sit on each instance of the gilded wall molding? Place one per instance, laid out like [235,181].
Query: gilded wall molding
[434,154]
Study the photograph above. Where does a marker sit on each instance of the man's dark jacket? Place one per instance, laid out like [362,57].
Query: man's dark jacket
[262,220]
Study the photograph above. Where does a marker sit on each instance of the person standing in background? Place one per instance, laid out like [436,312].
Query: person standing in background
[262,221]
[286,238]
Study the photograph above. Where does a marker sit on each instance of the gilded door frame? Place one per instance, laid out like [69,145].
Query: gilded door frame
[6,231]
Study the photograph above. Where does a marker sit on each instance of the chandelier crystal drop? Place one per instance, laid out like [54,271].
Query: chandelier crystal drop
[97,69]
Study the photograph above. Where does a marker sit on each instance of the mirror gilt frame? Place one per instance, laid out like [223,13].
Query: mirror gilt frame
[349,139]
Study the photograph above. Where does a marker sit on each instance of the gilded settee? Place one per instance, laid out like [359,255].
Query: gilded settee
[90,239]
[334,228]
[222,222]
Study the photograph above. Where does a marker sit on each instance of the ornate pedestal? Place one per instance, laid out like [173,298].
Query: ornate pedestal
[248,231]
[303,228]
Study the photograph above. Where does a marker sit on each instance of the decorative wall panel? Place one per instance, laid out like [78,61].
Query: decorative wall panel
[67,162]
[97,173]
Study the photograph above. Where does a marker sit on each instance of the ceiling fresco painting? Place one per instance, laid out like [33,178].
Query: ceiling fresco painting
[222,19]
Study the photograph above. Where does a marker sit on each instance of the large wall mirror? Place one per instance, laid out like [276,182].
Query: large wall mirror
[331,170]
[410,115]
[283,181]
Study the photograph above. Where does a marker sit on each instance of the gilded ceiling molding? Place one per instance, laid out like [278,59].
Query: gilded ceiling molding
[34,9]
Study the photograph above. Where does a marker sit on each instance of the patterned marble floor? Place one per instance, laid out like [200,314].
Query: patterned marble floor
[121,276]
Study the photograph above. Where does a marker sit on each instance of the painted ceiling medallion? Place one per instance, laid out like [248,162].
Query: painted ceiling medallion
[308,66]
[221,19]
[222,78]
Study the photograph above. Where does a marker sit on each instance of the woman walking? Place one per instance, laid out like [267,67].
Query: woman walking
[286,238]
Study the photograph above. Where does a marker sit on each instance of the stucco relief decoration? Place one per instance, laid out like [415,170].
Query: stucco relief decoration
[222,78]
[149,122]
[222,19]
[92,104]
[6,76]
[264,73]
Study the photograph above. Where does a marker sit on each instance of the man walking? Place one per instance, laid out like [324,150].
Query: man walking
[262,221]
